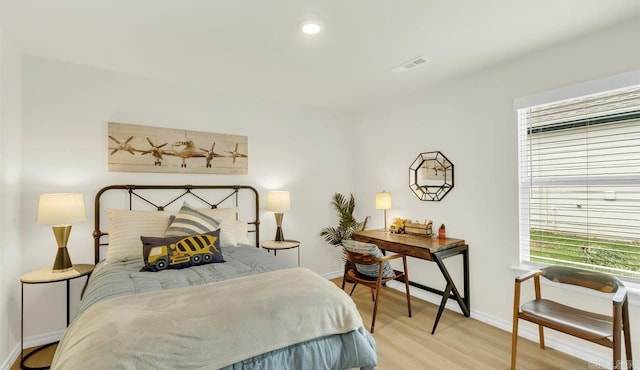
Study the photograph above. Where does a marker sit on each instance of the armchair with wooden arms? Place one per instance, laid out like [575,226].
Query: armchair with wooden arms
[352,275]
[597,328]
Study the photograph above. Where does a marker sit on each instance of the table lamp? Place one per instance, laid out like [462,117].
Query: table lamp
[383,201]
[60,210]
[278,202]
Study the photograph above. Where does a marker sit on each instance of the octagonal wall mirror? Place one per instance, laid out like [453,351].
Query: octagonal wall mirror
[431,176]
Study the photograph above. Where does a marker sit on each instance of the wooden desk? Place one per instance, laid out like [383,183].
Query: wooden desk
[428,249]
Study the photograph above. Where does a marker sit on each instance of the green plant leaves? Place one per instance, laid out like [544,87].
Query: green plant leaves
[347,223]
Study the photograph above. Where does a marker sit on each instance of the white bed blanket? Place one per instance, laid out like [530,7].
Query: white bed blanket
[208,326]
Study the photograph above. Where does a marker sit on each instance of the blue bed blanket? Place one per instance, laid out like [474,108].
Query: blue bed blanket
[354,349]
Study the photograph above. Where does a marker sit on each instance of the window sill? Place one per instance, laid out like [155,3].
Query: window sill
[633,288]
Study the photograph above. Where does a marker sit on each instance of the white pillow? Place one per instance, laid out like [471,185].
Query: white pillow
[227,218]
[125,229]
[242,232]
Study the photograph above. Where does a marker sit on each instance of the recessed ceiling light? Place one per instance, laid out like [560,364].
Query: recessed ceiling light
[311,27]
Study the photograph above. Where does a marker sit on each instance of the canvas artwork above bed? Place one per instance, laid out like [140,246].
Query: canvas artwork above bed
[137,148]
[242,308]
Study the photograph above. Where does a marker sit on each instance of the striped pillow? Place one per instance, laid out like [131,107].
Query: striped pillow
[190,221]
[125,228]
[370,249]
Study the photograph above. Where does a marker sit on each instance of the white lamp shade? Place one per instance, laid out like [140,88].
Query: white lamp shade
[278,201]
[383,200]
[61,209]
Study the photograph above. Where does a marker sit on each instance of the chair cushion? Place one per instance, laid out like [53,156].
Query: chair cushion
[570,320]
[372,250]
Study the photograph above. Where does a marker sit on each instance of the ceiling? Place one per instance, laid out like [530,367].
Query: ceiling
[255,48]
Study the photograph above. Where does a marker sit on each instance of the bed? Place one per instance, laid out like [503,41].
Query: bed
[177,302]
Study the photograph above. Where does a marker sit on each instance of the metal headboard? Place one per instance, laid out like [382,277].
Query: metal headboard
[197,191]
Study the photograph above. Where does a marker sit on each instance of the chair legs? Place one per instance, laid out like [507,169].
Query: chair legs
[514,343]
[375,297]
[375,302]
[514,331]
[376,289]
[617,336]
[627,334]
[541,335]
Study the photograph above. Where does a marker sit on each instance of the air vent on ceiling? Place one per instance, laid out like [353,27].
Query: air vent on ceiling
[410,64]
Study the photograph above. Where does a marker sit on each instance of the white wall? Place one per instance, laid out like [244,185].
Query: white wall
[471,120]
[65,113]
[10,240]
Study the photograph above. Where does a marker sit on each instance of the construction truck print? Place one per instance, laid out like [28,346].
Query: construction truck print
[193,250]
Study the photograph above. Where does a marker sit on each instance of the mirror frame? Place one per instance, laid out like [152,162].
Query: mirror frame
[434,186]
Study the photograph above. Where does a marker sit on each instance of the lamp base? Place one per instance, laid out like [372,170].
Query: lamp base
[279,234]
[385,221]
[63,261]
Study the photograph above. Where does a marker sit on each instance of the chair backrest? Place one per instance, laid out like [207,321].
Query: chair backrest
[589,279]
[360,258]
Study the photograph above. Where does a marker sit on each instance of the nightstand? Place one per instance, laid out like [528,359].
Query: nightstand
[275,246]
[45,276]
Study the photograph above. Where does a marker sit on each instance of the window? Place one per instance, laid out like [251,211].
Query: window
[580,182]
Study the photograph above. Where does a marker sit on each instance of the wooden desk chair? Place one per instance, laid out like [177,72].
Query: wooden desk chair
[351,274]
[601,329]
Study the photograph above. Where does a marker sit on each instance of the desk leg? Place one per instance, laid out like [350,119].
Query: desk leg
[443,302]
[451,288]
[467,289]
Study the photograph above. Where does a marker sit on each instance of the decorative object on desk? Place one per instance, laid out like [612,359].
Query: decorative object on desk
[397,226]
[431,176]
[418,228]
[383,201]
[348,224]
[175,150]
[61,210]
[278,202]
[442,233]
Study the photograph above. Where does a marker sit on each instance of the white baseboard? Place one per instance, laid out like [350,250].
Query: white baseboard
[33,341]
[13,356]
[333,275]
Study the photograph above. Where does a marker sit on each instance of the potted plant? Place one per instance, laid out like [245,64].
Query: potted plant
[348,224]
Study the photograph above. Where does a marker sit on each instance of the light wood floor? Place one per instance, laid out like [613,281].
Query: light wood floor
[459,342]
[41,359]
[406,343]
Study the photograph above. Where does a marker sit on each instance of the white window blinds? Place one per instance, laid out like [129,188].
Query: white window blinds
[580,182]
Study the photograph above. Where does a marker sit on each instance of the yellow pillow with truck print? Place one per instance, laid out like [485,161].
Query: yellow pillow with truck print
[176,252]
